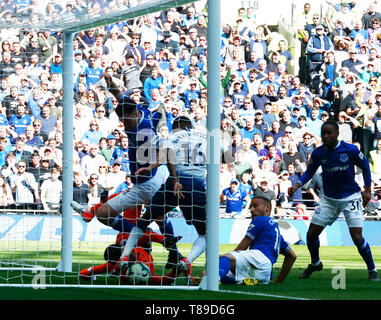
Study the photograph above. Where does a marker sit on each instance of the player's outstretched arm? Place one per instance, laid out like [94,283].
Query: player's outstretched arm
[288,262]
[112,87]
[244,244]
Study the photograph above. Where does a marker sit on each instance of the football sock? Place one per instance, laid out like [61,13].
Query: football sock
[366,254]
[165,227]
[224,266]
[135,234]
[198,248]
[121,224]
[313,245]
[228,278]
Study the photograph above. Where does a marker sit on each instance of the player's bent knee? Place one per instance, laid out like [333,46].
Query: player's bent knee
[200,228]
[113,253]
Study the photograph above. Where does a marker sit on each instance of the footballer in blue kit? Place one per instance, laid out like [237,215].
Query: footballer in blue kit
[252,260]
[142,139]
[342,194]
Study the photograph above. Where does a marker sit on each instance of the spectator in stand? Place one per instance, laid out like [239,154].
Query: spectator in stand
[313,122]
[25,186]
[51,191]
[260,99]
[95,188]
[93,135]
[48,121]
[249,130]
[81,190]
[7,66]
[167,48]
[4,149]
[108,150]
[91,162]
[6,196]
[375,162]
[20,120]
[294,178]
[92,72]
[153,82]
[115,177]
[106,126]
[34,69]
[295,157]
[353,63]
[20,152]
[371,14]
[275,159]
[10,101]
[238,94]
[263,190]
[317,45]
[286,120]
[234,198]
[307,145]
[190,19]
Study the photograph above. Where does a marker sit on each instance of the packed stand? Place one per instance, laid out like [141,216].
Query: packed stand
[270,117]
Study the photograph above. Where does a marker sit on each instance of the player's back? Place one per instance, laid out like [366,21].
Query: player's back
[142,145]
[189,147]
[265,233]
[338,169]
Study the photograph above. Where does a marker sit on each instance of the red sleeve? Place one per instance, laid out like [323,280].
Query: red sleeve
[150,236]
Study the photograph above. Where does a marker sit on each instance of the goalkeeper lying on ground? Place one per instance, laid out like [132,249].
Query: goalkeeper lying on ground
[142,253]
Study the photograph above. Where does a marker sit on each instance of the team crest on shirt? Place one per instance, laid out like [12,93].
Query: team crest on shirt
[343,157]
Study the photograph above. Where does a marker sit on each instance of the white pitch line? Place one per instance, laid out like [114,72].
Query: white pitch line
[264,294]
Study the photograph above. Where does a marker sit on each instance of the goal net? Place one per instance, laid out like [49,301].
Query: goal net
[65,142]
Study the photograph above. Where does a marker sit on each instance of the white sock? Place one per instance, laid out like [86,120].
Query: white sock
[198,248]
[135,235]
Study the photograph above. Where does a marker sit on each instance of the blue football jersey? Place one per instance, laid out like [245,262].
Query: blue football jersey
[338,169]
[266,237]
[142,146]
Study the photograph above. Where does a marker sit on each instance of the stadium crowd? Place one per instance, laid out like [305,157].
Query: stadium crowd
[270,115]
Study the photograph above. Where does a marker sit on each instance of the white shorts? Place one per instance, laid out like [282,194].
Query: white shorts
[329,210]
[252,264]
[139,194]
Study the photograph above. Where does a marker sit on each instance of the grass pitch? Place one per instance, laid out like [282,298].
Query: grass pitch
[344,277]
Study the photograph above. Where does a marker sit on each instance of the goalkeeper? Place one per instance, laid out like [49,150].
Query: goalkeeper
[184,153]
[128,221]
[142,253]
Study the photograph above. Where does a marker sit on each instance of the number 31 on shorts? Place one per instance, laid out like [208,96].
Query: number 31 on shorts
[355,206]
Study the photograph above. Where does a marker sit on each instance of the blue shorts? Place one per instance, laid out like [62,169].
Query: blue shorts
[193,206]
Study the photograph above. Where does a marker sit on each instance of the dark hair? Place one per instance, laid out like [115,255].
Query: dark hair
[126,106]
[181,123]
[330,123]
[265,200]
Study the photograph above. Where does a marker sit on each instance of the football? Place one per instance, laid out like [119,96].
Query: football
[138,273]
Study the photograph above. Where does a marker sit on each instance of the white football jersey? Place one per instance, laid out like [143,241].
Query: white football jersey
[190,149]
